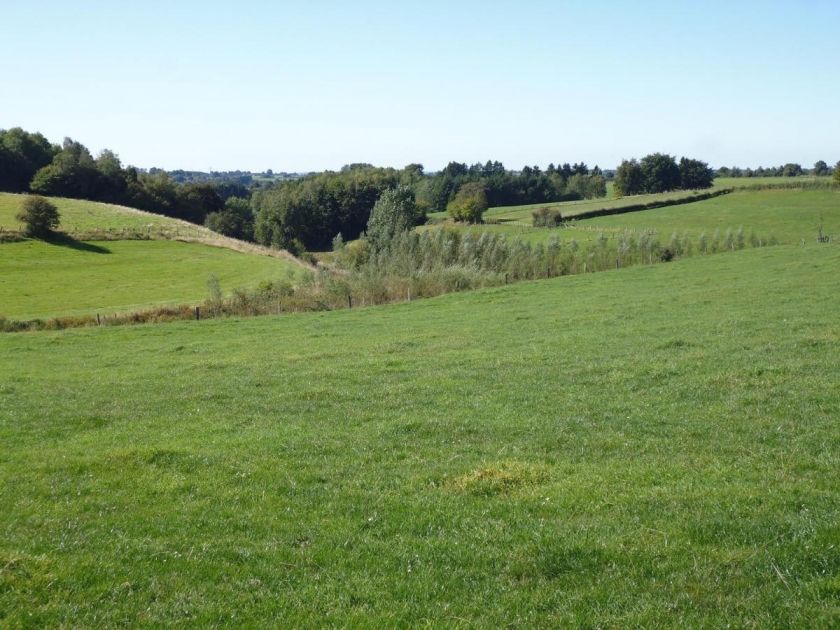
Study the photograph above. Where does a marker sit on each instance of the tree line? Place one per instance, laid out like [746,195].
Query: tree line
[659,172]
[30,163]
[308,213]
[791,169]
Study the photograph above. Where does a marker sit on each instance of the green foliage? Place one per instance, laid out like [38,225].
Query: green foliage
[21,155]
[469,203]
[629,179]
[39,216]
[792,170]
[660,173]
[236,219]
[307,213]
[837,173]
[546,217]
[393,213]
[821,169]
[586,186]
[29,162]
[695,174]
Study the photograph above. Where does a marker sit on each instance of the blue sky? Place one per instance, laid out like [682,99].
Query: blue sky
[297,86]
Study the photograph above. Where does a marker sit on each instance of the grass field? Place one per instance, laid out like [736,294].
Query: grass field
[80,216]
[570,209]
[521,215]
[39,279]
[789,215]
[645,447]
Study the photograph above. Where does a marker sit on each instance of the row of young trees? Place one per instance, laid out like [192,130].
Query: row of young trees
[659,172]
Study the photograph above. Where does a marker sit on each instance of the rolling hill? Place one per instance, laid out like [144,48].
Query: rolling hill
[118,259]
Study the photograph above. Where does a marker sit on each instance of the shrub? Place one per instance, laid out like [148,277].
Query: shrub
[394,212]
[546,217]
[469,204]
[39,216]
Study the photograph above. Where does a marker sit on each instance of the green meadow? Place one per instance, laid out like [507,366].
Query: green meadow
[41,279]
[651,446]
[791,215]
[81,216]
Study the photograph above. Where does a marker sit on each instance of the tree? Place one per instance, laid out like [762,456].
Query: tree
[791,170]
[21,155]
[629,179]
[38,215]
[236,219]
[469,204]
[72,173]
[393,213]
[821,168]
[837,173]
[196,201]
[660,173]
[695,174]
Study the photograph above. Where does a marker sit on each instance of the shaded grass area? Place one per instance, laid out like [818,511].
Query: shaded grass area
[652,446]
[69,277]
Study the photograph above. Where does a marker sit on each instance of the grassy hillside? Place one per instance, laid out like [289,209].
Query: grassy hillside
[570,209]
[127,260]
[80,217]
[792,215]
[789,215]
[39,279]
[651,446]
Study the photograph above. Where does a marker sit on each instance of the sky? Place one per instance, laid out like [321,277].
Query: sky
[305,86]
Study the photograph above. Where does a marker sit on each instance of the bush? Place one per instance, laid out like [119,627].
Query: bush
[39,216]
[393,213]
[469,204]
[546,217]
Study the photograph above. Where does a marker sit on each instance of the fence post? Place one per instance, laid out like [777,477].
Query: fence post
[197,313]
[98,321]
[349,301]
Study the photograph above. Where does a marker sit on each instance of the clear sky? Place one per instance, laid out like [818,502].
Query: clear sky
[297,86]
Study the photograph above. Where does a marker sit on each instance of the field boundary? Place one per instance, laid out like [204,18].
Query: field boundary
[651,205]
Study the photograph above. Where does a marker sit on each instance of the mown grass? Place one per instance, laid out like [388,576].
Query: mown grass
[521,215]
[47,279]
[645,447]
[570,209]
[789,215]
[81,216]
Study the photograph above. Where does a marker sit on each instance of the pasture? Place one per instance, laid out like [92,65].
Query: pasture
[83,218]
[40,279]
[655,445]
[791,215]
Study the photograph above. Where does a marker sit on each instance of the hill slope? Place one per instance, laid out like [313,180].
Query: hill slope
[650,446]
[790,215]
[120,259]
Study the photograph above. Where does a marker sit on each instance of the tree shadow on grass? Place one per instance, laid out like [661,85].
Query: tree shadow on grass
[65,240]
